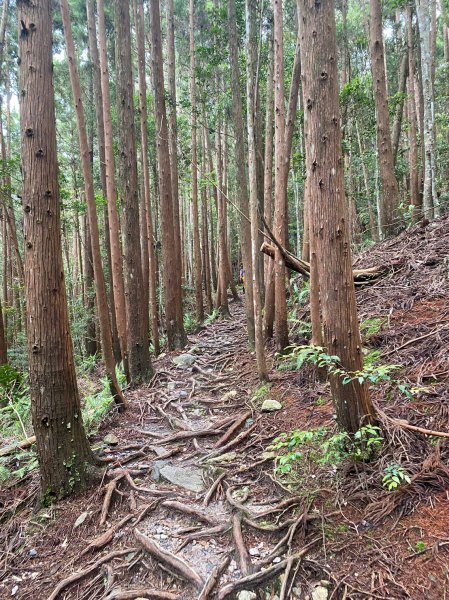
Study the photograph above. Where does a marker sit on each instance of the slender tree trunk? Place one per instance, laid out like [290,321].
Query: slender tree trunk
[397,123]
[152,266]
[415,199]
[62,446]
[205,226]
[173,128]
[280,206]
[137,322]
[176,337]
[268,195]
[242,189]
[194,174]
[114,226]
[3,344]
[328,212]
[100,287]
[91,345]
[98,95]
[430,199]
[222,287]
[390,190]
[253,199]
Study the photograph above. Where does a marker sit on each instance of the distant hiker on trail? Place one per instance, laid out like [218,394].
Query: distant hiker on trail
[242,277]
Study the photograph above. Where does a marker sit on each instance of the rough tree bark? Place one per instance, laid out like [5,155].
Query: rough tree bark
[415,199]
[390,190]
[328,210]
[62,446]
[176,337]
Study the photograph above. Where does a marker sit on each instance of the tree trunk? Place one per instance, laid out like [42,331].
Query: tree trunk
[173,130]
[137,322]
[3,344]
[280,193]
[90,344]
[240,159]
[176,337]
[95,60]
[114,226]
[62,446]
[329,224]
[253,199]
[194,174]
[430,199]
[149,241]
[397,123]
[415,199]
[268,195]
[389,185]
[100,286]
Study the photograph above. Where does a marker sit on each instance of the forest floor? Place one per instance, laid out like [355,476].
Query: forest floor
[191,504]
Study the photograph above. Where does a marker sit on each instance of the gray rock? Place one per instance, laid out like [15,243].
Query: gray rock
[270,405]
[32,553]
[111,439]
[245,595]
[185,360]
[320,593]
[189,478]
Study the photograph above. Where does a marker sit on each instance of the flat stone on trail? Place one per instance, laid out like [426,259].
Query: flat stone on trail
[184,360]
[320,593]
[111,439]
[188,478]
[270,405]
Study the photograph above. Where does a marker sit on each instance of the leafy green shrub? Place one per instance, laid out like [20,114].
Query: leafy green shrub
[321,447]
[395,476]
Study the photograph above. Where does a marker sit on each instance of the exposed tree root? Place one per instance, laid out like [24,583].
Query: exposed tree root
[214,578]
[253,581]
[81,574]
[105,537]
[236,424]
[244,558]
[148,593]
[176,564]
[208,497]
[110,487]
[189,510]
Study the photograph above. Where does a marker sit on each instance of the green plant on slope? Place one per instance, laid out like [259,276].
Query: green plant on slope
[395,476]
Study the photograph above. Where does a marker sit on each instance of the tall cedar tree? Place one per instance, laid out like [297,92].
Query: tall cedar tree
[100,286]
[62,447]
[137,321]
[118,285]
[324,164]
[280,182]
[240,162]
[388,216]
[148,237]
[176,337]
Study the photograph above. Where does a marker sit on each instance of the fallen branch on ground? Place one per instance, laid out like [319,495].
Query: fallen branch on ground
[176,564]
[361,276]
[20,446]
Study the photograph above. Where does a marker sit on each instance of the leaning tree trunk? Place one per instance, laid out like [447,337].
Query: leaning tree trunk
[390,190]
[62,446]
[176,337]
[328,210]
[100,286]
